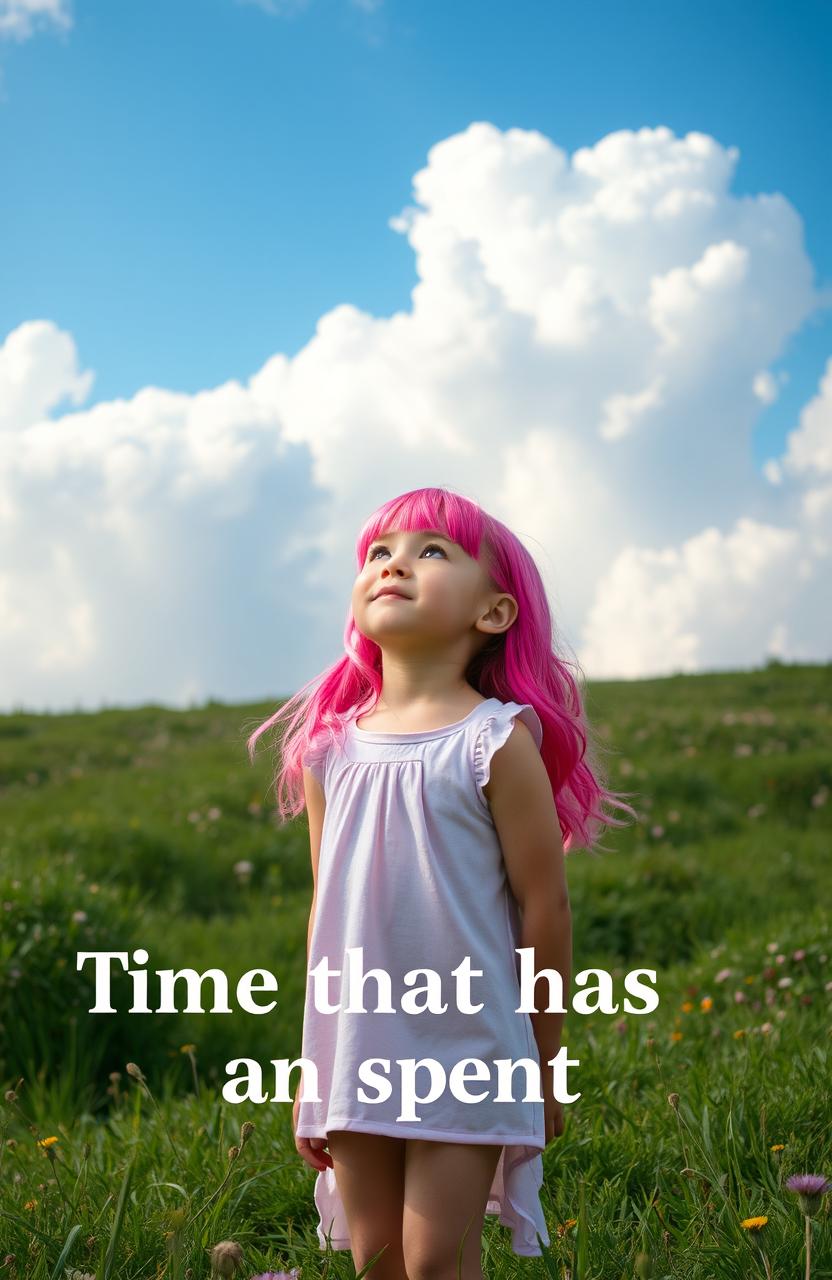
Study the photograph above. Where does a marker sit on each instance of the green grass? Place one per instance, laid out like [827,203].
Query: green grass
[122,829]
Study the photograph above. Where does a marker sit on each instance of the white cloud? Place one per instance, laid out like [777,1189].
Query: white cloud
[584,353]
[21,19]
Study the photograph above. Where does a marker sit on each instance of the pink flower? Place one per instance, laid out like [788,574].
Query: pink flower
[811,1187]
[723,974]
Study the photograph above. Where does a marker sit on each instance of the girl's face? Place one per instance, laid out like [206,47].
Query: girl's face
[441,593]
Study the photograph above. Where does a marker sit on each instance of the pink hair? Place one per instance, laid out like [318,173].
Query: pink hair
[521,665]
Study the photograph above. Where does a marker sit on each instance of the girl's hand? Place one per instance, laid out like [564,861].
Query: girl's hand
[310,1149]
[553,1118]
[552,1109]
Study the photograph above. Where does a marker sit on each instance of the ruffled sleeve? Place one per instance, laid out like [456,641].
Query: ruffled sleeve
[316,756]
[494,732]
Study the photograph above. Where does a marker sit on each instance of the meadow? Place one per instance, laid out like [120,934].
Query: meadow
[150,829]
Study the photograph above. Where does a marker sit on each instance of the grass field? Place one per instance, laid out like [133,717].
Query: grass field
[134,829]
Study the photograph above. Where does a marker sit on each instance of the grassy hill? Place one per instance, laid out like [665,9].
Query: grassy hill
[122,830]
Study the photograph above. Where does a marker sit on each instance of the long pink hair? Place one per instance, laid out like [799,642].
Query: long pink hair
[520,665]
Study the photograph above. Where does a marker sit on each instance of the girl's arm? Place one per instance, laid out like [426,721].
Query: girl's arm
[519,795]
[315,809]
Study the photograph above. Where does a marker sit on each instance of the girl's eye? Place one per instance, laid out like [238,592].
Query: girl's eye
[430,546]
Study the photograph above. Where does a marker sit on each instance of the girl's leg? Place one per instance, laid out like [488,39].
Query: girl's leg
[369,1174]
[446,1187]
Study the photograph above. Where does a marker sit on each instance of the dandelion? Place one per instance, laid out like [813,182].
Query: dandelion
[30,1204]
[754,1224]
[47,1142]
[706,1004]
[687,1006]
[777,1146]
[225,1259]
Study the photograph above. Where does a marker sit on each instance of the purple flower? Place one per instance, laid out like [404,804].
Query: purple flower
[278,1275]
[811,1187]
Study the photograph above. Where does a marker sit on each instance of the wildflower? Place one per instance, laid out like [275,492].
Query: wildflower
[73,1274]
[740,997]
[79,917]
[777,1146]
[771,947]
[800,954]
[563,1227]
[785,982]
[47,1142]
[278,1275]
[705,1004]
[754,1224]
[739,1033]
[675,1036]
[30,1204]
[225,1259]
[214,813]
[243,869]
[187,1048]
[750,978]
[780,959]
[723,974]
[687,1006]
[811,1187]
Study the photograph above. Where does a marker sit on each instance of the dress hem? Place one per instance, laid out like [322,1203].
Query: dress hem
[399,1131]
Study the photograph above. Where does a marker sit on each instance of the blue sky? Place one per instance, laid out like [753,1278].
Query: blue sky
[190,184]
[267,263]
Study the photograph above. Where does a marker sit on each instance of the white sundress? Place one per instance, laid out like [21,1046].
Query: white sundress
[411,871]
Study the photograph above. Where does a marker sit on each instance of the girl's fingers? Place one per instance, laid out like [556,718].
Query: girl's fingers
[314,1157]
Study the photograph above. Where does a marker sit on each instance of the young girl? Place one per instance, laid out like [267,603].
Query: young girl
[445,767]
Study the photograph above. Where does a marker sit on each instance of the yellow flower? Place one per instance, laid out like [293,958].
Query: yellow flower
[687,1006]
[30,1204]
[705,1003]
[187,1048]
[750,978]
[565,1226]
[778,1146]
[754,1224]
[739,1033]
[675,1036]
[47,1142]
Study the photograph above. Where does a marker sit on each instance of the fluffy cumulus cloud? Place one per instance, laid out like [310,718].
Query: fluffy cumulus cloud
[586,352]
[21,19]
